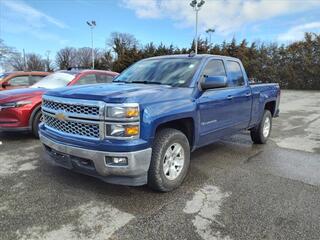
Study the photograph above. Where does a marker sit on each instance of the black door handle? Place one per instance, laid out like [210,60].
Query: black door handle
[229,97]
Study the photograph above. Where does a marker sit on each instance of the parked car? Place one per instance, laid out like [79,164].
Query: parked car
[14,80]
[20,109]
[141,128]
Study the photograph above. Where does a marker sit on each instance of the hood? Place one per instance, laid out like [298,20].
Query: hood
[120,92]
[20,94]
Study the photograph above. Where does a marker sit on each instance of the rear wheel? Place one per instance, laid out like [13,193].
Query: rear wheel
[261,132]
[35,123]
[170,160]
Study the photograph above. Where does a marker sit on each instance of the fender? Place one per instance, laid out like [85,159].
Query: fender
[35,110]
[156,114]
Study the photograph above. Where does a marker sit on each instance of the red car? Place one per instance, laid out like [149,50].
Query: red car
[20,109]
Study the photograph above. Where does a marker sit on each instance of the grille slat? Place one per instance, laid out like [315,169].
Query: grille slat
[80,118]
[76,128]
[71,108]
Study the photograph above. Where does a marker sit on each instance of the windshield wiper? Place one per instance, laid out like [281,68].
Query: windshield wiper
[143,82]
[146,82]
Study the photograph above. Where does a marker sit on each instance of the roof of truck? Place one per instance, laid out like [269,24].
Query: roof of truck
[201,56]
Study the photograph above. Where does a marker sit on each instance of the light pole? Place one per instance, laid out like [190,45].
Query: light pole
[92,24]
[209,31]
[196,5]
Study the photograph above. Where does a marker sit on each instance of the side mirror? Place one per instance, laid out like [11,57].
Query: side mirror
[210,82]
[6,84]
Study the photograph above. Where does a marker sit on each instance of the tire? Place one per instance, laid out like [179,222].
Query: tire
[35,123]
[168,141]
[257,133]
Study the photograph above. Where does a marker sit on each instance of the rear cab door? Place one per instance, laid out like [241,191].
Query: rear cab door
[240,94]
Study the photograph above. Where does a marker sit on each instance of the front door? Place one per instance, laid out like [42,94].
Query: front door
[223,111]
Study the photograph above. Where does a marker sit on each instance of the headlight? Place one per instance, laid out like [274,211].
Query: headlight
[126,130]
[14,104]
[125,112]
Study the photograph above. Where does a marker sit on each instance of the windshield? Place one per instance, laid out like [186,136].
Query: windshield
[169,71]
[54,80]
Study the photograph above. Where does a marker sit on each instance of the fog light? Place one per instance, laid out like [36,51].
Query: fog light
[117,161]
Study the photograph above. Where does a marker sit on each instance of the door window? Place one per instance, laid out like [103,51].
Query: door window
[235,74]
[19,81]
[214,68]
[103,78]
[35,79]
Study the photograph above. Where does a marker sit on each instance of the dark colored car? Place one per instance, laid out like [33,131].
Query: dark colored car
[14,80]
[20,109]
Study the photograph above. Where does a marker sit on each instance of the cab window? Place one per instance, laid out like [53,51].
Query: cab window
[87,79]
[236,78]
[19,81]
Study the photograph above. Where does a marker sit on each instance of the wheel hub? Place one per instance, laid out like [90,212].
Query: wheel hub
[173,161]
[266,127]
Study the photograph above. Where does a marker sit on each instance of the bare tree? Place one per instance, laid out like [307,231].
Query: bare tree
[16,61]
[66,58]
[35,62]
[121,42]
[5,55]
[84,57]
[5,50]
[47,62]
[103,60]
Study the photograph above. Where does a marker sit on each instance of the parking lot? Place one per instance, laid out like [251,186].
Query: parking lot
[234,190]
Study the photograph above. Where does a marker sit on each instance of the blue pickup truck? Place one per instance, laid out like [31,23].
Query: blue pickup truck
[141,128]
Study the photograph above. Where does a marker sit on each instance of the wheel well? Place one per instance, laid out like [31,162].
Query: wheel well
[185,125]
[271,106]
[34,112]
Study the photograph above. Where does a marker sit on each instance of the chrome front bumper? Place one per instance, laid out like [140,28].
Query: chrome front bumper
[135,173]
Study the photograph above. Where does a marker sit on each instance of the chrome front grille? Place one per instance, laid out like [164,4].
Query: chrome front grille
[75,128]
[74,116]
[71,108]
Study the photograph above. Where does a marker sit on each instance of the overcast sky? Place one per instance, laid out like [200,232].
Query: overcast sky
[48,25]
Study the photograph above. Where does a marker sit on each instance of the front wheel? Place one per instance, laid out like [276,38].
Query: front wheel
[35,123]
[261,132]
[170,160]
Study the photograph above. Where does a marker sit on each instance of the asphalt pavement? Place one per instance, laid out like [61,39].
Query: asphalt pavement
[234,190]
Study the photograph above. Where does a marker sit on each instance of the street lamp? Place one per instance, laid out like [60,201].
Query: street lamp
[196,5]
[92,24]
[209,31]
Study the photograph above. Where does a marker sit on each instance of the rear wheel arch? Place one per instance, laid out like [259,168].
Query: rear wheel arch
[271,106]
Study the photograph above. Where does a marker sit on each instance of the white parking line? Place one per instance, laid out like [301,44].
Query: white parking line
[206,205]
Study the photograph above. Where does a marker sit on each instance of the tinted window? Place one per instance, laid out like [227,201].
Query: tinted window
[214,68]
[235,74]
[19,81]
[87,79]
[170,71]
[34,79]
[103,78]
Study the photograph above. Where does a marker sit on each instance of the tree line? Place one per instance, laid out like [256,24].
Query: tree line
[293,66]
